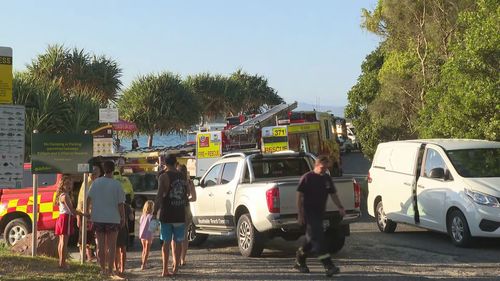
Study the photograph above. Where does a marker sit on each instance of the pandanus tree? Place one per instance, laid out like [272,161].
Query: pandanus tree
[159,103]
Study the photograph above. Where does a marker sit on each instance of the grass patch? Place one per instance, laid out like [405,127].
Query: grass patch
[15,267]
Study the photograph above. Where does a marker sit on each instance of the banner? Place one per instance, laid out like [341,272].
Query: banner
[11,145]
[209,145]
[5,75]
[61,153]
[274,139]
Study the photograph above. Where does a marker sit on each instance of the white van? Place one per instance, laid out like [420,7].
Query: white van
[446,185]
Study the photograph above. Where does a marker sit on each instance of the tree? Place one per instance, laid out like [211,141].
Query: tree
[253,93]
[466,102]
[159,103]
[210,91]
[49,111]
[78,70]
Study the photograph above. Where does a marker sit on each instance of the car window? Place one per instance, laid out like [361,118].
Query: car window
[228,172]
[212,176]
[433,160]
[280,167]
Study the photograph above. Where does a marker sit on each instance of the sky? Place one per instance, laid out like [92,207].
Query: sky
[310,51]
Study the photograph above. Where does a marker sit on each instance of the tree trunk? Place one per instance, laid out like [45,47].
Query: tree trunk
[150,140]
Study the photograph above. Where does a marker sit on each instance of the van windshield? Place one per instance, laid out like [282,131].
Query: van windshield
[476,163]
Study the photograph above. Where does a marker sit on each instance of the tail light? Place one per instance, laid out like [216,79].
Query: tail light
[368,178]
[357,194]
[273,200]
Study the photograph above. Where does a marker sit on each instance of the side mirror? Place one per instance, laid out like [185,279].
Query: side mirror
[436,173]
[197,182]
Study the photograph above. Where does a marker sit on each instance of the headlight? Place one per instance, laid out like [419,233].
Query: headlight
[482,199]
[3,208]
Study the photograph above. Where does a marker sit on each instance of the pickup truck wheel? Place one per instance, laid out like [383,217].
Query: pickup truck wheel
[250,241]
[335,239]
[139,201]
[16,230]
[195,239]
[458,229]
[384,224]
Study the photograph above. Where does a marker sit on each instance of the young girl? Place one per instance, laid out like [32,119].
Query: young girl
[64,224]
[145,233]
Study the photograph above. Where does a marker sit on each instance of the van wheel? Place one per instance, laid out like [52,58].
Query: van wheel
[384,224]
[250,241]
[458,229]
[16,230]
[195,239]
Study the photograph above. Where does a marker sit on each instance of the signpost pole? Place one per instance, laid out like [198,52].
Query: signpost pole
[83,243]
[35,212]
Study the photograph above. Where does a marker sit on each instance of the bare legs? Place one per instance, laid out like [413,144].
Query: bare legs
[146,245]
[62,250]
[120,258]
[106,249]
[164,255]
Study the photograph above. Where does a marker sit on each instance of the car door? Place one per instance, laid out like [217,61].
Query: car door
[431,191]
[224,194]
[204,207]
[400,179]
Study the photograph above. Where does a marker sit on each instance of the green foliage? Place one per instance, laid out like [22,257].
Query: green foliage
[466,103]
[439,73]
[159,103]
[253,93]
[49,111]
[210,91]
[78,70]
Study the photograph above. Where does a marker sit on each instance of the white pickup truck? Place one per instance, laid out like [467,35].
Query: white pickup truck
[253,197]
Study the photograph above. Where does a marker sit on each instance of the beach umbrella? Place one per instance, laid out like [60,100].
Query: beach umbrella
[123,125]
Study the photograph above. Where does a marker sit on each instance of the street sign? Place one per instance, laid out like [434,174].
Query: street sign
[5,75]
[274,139]
[108,115]
[60,153]
[11,145]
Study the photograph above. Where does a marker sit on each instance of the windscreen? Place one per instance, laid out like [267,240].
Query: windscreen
[280,167]
[476,163]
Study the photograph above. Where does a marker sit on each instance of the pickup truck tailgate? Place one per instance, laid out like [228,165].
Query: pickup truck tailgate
[345,192]
[288,191]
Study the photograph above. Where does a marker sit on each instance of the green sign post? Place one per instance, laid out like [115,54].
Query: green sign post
[61,153]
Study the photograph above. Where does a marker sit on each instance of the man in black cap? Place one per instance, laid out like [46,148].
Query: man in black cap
[171,200]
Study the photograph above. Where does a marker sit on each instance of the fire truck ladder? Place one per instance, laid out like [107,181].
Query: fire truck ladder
[264,119]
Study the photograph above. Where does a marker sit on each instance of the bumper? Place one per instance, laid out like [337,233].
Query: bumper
[484,221]
[289,222]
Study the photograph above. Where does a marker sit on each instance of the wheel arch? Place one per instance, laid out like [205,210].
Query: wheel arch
[12,216]
[375,203]
[240,210]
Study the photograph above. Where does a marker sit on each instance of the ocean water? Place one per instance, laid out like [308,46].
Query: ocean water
[158,140]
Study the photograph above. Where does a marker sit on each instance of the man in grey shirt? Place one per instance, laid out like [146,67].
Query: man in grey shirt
[106,203]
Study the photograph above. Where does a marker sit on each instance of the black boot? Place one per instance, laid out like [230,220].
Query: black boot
[330,268]
[300,262]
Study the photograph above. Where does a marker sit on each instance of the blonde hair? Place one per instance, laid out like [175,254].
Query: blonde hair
[61,190]
[148,207]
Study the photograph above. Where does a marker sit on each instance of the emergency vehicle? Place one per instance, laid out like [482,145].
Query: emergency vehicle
[16,205]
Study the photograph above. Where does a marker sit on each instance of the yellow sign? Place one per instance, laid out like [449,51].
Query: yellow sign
[209,145]
[5,75]
[274,139]
[303,128]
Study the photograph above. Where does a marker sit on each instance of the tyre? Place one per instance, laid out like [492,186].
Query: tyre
[384,224]
[250,241]
[16,230]
[458,229]
[195,239]
[335,239]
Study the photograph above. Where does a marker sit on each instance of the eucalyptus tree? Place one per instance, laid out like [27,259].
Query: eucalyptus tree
[76,69]
[159,103]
